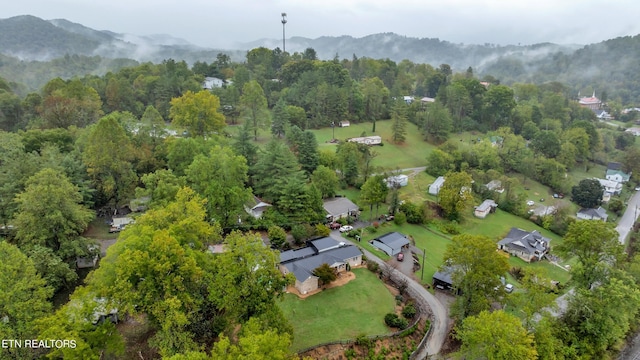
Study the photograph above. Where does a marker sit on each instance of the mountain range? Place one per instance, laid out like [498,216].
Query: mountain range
[31,38]
[610,65]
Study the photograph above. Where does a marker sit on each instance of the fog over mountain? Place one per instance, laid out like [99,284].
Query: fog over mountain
[31,38]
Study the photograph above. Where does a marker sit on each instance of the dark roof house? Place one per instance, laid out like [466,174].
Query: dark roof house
[529,246]
[302,262]
[391,243]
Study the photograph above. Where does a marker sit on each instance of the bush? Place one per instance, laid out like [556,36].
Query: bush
[322,230]
[393,320]
[299,233]
[451,228]
[413,213]
[409,311]
[373,267]
[376,224]
[370,229]
[399,218]
[277,236]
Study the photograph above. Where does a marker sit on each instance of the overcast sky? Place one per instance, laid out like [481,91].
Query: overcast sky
[220,23]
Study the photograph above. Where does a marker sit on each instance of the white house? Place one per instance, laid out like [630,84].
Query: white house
[495,185]
[610,186]
[617,175]
[593,214]
[434,188]
[212,83]
[397,181]
[634,130]
[367,140]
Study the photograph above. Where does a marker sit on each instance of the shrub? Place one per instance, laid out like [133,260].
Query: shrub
[322,230]
[370,229]
[299,233]
[373,267]
[409,311]
[413,213]
[399,218]
[451,227]
[516,272]
[393,320]
[376,224]
[277,236]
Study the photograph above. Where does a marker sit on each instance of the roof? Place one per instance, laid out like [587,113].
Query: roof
[595,213]
[303,268]
[614,166]
[444,275]
[589,100]
[525,241]
[394,240]
[289,255]
[337,206]
[618,172]
[494,185]
[609,183]
[486,205]
[324,244]
[438,182]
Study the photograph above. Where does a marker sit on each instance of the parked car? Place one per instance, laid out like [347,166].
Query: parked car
[558,196]
[637,188]
[400,256]
[334,226]
[388,217]
[530,203]
[346,228]
[508,288]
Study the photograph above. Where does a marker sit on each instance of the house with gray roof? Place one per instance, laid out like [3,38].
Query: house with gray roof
[302,262]
[340,207]
[391,243]
[593,214]
[529,246]
[435,187]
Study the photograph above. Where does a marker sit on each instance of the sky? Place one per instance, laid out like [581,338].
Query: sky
[222,23]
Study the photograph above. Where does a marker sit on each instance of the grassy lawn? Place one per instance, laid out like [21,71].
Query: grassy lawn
[497,225]
[412,153]
[353,309]
[551,271]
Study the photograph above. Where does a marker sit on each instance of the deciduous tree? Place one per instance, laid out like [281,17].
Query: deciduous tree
[495,335]
[253,107]
[197,112]
[588,193]
[455,195]
[476,270]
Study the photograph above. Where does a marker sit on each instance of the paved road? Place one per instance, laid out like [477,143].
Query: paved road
[629,217]
[439,322]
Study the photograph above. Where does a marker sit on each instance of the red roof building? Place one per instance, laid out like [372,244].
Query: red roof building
[592,102]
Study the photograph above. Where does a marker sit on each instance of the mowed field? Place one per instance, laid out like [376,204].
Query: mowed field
[345,312]
[412,153]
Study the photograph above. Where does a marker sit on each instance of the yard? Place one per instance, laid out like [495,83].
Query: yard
[353,309]
[412,153]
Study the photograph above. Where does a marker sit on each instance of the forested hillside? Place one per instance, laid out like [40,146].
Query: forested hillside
[76,151]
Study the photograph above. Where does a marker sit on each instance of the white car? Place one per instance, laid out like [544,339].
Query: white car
[508,288]
[346,228]
[530,203]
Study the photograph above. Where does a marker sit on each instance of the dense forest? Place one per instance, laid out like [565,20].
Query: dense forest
[86,146]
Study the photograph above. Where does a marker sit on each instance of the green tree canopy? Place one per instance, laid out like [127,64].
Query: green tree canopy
[588,193]
[495,335]
[197,112]
[476,270]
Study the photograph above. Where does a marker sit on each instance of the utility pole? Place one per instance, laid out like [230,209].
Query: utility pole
[424,251]
[284,21]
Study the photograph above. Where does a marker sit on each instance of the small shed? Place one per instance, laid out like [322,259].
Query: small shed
[391,243]
[344,123]
[488,206]
[442,279]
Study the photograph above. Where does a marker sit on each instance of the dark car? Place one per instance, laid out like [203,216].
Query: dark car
[334,226]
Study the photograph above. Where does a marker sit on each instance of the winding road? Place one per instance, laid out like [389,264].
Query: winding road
[439,321]
[629,217]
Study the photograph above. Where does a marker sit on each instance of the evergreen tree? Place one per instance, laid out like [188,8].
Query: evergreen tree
[399,122]
[280,119]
